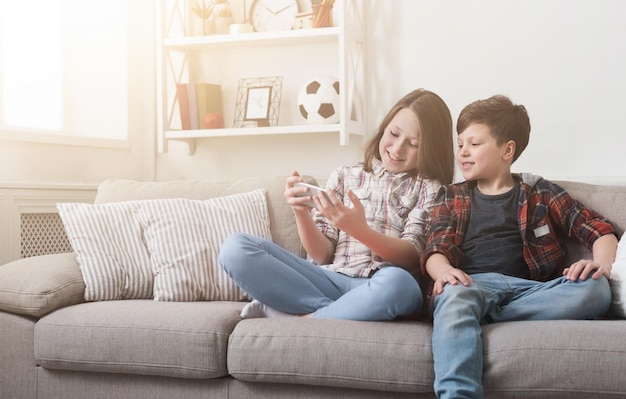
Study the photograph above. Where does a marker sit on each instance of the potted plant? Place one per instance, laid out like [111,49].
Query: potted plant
[204,12]
[241,26]
[223,16]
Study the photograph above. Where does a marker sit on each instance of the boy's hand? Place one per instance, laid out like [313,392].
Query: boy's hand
[452,276]
[585,268]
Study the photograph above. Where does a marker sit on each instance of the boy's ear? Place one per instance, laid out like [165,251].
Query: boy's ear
[509,150]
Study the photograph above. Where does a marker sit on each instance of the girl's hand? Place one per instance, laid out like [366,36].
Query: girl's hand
[452,276]
[350,220]
[291,192]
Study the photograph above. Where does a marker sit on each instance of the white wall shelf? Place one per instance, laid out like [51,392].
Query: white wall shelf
[300,36]
[225,58]
[251,131]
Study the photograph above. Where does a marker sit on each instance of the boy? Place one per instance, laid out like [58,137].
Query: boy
[496,246]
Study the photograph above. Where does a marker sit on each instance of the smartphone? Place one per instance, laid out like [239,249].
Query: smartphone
[311,191]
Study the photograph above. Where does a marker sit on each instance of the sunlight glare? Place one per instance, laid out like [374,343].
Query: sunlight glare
[31,66]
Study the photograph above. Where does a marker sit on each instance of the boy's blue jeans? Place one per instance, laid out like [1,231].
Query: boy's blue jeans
[460,311]
[286,282]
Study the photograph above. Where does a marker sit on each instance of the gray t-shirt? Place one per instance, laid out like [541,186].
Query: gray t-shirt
[493,242]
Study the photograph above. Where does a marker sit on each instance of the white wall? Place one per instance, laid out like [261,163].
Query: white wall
[563,59]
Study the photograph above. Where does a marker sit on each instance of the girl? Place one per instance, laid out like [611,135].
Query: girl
[366,236]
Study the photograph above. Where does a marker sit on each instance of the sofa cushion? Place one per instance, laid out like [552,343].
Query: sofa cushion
[175,339]
[184,238]
[36,286]
[108,243]
[384,356]
[282,224]
[559,358]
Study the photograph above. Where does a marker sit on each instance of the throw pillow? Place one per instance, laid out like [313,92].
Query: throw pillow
[618,281]
[184,237]
[37,285]
[110,251]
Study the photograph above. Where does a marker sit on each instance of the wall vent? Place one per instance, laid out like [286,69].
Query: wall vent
[42,234]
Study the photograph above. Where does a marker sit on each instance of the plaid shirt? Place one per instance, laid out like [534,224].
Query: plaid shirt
[396,205]
[546,214]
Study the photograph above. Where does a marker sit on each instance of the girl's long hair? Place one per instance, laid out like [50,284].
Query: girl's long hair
[435,153]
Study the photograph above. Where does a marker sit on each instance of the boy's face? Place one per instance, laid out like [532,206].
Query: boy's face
[478,155]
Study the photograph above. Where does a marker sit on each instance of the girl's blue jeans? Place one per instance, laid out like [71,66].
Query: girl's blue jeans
[286,282]
[460,311]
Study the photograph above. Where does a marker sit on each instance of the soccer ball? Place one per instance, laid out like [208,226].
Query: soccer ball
[318,100]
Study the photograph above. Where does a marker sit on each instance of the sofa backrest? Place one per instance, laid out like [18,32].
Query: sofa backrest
[609,201]
[282,222]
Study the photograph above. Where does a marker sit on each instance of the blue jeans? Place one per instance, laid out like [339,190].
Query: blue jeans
[460,311]
[286,282]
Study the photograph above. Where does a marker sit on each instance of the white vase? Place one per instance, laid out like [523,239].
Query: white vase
[223,18]
[222,25]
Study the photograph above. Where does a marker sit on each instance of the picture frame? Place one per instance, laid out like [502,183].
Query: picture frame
[258,102]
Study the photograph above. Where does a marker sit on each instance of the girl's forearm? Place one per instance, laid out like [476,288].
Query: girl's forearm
[317,246]
[394,250]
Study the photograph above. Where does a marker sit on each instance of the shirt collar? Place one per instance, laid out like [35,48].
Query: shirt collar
[378,168]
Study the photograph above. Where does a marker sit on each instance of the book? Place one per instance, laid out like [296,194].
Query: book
[209,98]
[193,107]
[183,105]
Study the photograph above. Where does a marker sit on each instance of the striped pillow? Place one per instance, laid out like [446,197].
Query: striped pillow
[113,259]
[184,237]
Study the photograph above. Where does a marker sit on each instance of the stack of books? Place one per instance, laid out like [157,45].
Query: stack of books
[200,105]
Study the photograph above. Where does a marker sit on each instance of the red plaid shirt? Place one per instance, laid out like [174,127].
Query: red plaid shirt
[547,214]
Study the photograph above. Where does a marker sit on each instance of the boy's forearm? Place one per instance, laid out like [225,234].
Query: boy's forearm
[437,264]
[604,250]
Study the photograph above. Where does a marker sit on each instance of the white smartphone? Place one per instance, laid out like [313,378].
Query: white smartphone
[311,191]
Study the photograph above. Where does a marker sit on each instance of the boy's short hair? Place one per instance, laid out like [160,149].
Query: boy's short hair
[505,120]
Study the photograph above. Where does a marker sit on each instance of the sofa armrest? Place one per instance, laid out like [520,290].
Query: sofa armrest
[38,285]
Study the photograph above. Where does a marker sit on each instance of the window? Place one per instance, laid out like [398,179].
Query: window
[64,68]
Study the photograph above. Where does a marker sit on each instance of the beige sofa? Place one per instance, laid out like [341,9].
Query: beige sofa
[55,345]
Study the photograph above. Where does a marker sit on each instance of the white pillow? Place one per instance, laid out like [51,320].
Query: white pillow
[618,280]
[112,256]
[184,237]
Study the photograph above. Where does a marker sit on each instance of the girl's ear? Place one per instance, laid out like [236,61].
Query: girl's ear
[509,150]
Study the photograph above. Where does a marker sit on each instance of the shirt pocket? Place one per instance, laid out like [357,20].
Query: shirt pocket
[538,223]
[372,201]
[363,194]
[540,234]
[402,204]
[365,197]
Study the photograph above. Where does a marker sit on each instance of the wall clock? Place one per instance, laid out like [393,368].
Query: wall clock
[273,15]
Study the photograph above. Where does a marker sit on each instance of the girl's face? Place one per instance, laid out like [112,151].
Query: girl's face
[399,142]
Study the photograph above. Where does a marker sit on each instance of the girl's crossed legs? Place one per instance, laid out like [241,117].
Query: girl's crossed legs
[290,284]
